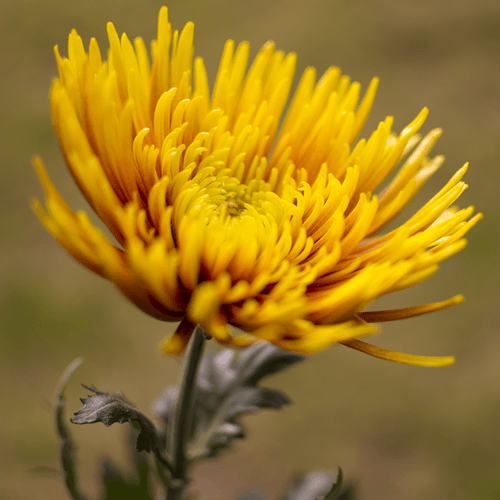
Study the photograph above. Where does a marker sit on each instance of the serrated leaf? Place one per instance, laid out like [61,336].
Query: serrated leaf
[111,408]
[226,388]
[263,359]
[66,446]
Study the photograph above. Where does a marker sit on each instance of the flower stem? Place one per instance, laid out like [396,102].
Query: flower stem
[182,421]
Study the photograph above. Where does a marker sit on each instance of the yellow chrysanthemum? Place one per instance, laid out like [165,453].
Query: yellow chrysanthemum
[222,220]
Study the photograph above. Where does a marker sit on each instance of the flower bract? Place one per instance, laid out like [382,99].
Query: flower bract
[230,208]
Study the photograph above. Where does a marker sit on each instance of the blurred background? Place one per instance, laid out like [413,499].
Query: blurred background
[399,432]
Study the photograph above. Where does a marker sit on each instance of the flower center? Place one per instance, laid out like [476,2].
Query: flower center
[229,197]
[211,195]
[241,229]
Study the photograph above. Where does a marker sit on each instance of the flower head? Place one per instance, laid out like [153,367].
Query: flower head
[226,215]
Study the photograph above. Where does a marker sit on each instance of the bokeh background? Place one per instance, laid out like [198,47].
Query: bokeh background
[399,432]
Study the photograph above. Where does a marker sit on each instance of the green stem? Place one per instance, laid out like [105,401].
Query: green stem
[182,414]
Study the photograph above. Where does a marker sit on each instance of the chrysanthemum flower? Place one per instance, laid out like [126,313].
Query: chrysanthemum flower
[224,214]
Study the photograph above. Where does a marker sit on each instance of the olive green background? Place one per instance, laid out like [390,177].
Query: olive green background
[399,432]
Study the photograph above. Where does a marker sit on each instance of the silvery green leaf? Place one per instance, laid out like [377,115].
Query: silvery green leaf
[335,489]
[226,387]
[315,486]
[263,359]
[114,408]
[66,446]
[164,405]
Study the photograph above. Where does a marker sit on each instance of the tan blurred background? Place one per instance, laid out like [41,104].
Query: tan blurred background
[399,433]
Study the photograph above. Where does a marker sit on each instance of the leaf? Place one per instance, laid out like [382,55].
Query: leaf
[114,408]
[226,387]
[335,490]
[66,446]
[315,486]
